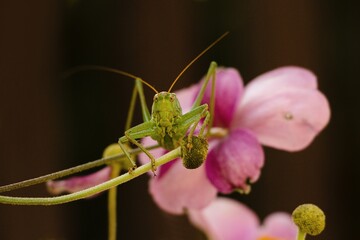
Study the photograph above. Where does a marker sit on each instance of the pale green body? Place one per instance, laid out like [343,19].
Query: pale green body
[166,116]
[167,124]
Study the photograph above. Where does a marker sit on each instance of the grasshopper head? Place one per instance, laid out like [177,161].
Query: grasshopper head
[165,109]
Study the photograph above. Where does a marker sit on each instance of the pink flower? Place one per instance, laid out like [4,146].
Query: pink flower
[227,219]
[281,109]
[75,184]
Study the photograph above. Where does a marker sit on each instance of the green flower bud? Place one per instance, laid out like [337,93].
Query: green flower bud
[114,149]
[309,218]
[194,152]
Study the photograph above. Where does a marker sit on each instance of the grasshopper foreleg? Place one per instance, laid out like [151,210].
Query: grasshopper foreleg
[140,131]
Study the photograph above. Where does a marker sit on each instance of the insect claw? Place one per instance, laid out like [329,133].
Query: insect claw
[153,167]
[132,169]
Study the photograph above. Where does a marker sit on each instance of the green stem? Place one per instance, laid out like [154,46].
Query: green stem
[115,170]
[301,235]
[68,171]
[93,190]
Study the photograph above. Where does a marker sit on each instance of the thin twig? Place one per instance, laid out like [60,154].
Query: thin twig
[67,172]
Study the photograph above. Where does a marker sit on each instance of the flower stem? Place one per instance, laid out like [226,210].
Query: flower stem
[45,201]
[115,170]
[68,171]
[301,235]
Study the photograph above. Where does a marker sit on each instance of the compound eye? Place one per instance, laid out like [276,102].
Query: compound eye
[155,98]
[172,97]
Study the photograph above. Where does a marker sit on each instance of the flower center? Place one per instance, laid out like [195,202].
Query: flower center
[218,132]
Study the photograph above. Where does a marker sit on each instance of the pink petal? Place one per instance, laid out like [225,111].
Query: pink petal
[186,97]
[228,89]
[157,152]
[75,184]
[279,80]
[226,219]
[278,225]
[283,108]
[237,159]
[181,189]
[287,120]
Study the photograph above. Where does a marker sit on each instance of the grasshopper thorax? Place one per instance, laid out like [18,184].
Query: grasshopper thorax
[166,109]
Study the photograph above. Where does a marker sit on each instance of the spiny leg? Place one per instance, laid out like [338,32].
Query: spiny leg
[123,148]
[137,90]
[115,166]
[128,125]
[146,118]
[131,107]
[152,159]
[208,121]
[208,116]
[204,114]
[115,171]
[139,131]
[205,124]
[144,108]
[194,148]
[211,74]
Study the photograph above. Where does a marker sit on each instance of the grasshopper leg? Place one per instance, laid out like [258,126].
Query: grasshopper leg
[139,145]
[123,148]
[140,131]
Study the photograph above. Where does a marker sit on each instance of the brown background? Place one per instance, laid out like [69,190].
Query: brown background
[48,123]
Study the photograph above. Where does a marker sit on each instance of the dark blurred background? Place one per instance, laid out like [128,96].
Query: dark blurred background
[48,123]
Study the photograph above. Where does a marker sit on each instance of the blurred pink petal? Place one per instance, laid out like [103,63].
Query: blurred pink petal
[289,120]
[237,159]
[279,80]
[281,109]
[75,184]
[278,226]
[180,189]
[228,90]
[186,97]
[226,219]
[286,116]
[157,152]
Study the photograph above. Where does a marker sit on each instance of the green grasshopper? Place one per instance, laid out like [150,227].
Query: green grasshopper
[167,124]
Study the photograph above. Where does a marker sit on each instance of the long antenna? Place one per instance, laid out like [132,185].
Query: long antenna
[196,58]
[108,69]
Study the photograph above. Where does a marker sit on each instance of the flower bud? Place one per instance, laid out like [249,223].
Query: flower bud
[194,153]
[114,149]
[309,218]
